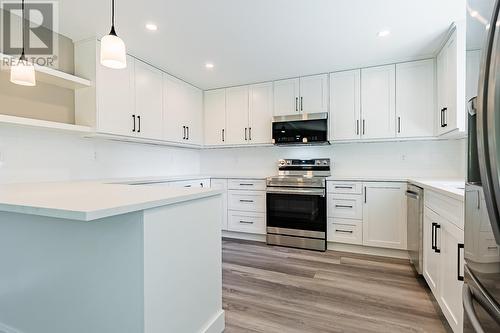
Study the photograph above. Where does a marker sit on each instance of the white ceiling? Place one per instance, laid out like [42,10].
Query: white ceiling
[259,40]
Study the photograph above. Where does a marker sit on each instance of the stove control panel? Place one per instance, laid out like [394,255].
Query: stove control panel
[311,164]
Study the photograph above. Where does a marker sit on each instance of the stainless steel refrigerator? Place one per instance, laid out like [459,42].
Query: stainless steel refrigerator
[481,291]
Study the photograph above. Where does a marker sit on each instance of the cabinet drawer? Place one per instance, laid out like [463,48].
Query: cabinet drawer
[247,222]
[450,209]
[345,231]
[218,184]
[249,201]
[345,187]
[347,206]
[195,183]
[247,184]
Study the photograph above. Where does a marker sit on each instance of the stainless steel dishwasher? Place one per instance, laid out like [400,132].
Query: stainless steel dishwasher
[415,204]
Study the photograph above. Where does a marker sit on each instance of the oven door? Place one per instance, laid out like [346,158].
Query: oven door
[297,211]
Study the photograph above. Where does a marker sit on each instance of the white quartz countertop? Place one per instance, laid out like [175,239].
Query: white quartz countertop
[86,201]
[454,188]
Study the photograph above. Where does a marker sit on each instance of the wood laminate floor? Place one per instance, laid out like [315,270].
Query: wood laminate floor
[281,290]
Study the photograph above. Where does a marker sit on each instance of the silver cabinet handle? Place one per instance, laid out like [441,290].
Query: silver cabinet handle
[245,134]
[246,222]
[345,231]
[344,187]
[223,139]
[301,103]
[245,200]
[133,117]
[296,104]
[363,127]
[250,134]
[139,124]
[183,132]
[187,132]
[343,206]
[365,194]
[357,127]
[399,124]
[246,184]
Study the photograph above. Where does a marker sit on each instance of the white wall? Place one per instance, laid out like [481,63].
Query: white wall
[30,155]
[438,158]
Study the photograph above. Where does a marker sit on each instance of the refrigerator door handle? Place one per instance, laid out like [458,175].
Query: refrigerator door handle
[488,134]
[469,309]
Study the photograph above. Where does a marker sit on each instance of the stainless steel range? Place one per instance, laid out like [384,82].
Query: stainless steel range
[296,204]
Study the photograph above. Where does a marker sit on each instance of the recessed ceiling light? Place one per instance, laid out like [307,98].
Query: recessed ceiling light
[209,65]
[383,33]
[151,26]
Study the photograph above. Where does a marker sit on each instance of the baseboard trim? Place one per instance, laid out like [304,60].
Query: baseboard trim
[244,236]
[216,325]
[374,251]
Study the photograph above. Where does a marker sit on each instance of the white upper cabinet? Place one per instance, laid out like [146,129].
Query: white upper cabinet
[451,112]
[115,99]
[237,115]
[215,117]
[345,109]
[384,215]
[314,94]
[286,97]
[308,94]
[378,105]
[194,115]
[109,104]
[415,99]
[260,114]
[148,101]
[174,109]
[182,111]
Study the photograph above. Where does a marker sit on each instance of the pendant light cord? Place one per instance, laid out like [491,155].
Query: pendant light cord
[112,32]
[23,30]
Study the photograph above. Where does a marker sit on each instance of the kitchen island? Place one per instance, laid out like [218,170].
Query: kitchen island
[91,257]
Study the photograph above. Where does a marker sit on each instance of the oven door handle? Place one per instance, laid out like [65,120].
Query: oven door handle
[299,191]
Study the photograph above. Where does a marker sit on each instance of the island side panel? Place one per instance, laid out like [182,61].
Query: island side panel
[183,267]
[60,276]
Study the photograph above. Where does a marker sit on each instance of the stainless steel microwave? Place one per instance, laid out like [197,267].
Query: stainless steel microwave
[307,128]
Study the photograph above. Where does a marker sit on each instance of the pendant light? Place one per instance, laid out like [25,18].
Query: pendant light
[23,73]
[113,53]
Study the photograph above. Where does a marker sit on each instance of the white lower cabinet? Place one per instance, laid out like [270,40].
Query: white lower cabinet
[253,201]
[443,259]
[345,231]
[345,212]
[451,272]
[195,183]
[369,214]
[384,215]
[221,184]
[250,222]
[348,206]
[430,256]
[246,203]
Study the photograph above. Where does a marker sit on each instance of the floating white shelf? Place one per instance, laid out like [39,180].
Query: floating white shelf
[53,76]
[29,122]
